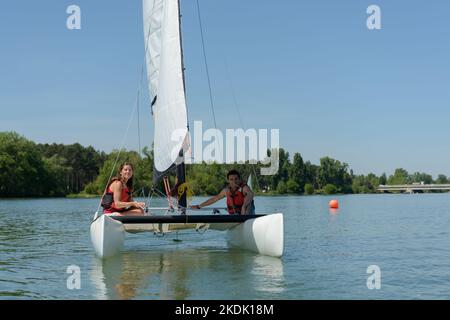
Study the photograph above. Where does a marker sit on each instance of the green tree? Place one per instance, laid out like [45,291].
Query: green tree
[82,164]
[297,173]
[22,171]
[383,179]
[372,182]
[330,189]
[442,179]
[293,187]
[334,172]
[311,171]
[56,177]
[309,188]
[357,184]
[281,188]
[419,177]
[283,169]
[400,176]
[365,184]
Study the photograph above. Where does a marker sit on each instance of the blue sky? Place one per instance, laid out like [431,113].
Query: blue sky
[377,100]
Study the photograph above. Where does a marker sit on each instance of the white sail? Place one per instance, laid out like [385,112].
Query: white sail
[165,79]
[249,181]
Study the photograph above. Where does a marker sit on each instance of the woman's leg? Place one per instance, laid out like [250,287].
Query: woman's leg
[133,212]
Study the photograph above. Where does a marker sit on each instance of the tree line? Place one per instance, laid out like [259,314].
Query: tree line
[29,169]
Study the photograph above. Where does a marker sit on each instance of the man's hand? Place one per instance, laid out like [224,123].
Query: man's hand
[197,207]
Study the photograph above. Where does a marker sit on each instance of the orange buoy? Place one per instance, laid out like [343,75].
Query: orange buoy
[333,204]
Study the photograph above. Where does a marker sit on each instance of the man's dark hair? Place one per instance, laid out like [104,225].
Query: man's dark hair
[233,173]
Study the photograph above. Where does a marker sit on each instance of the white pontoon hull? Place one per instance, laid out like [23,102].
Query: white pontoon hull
[264,235]
[107,236]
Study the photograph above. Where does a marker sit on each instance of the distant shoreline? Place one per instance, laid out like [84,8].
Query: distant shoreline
[32,170]
[94,196]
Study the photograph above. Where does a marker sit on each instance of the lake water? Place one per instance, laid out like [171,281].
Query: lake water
[326,253]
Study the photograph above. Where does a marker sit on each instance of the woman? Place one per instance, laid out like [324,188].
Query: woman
[117,199]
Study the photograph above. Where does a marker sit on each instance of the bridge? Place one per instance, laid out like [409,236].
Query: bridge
[415,187]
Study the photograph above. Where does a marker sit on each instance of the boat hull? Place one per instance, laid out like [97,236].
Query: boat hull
[263,234]
[107,236]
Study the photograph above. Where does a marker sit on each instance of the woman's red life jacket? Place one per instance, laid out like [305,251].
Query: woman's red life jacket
[235,200]
[125,196]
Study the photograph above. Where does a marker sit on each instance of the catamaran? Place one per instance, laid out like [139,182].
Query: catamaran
[260,233]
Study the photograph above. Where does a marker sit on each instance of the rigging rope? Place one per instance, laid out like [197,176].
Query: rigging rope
[208,76]
[129,124]
[138,126]
[209,85]
[115,161]
[206,64]
[239,115]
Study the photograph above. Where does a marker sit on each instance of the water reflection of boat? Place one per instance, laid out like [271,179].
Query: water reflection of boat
[142,274]
[268,274]
[186,274]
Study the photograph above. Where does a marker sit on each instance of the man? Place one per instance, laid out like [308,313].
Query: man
[239,196]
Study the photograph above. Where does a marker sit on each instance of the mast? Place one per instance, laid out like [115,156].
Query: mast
[181,168]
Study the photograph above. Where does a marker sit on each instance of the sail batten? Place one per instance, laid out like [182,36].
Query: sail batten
[165,80]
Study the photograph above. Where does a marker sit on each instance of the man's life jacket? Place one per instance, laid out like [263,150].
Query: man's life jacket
[235,200]
[108,199]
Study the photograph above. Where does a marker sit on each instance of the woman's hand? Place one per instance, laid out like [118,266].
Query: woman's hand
[139,205]
[195,207]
